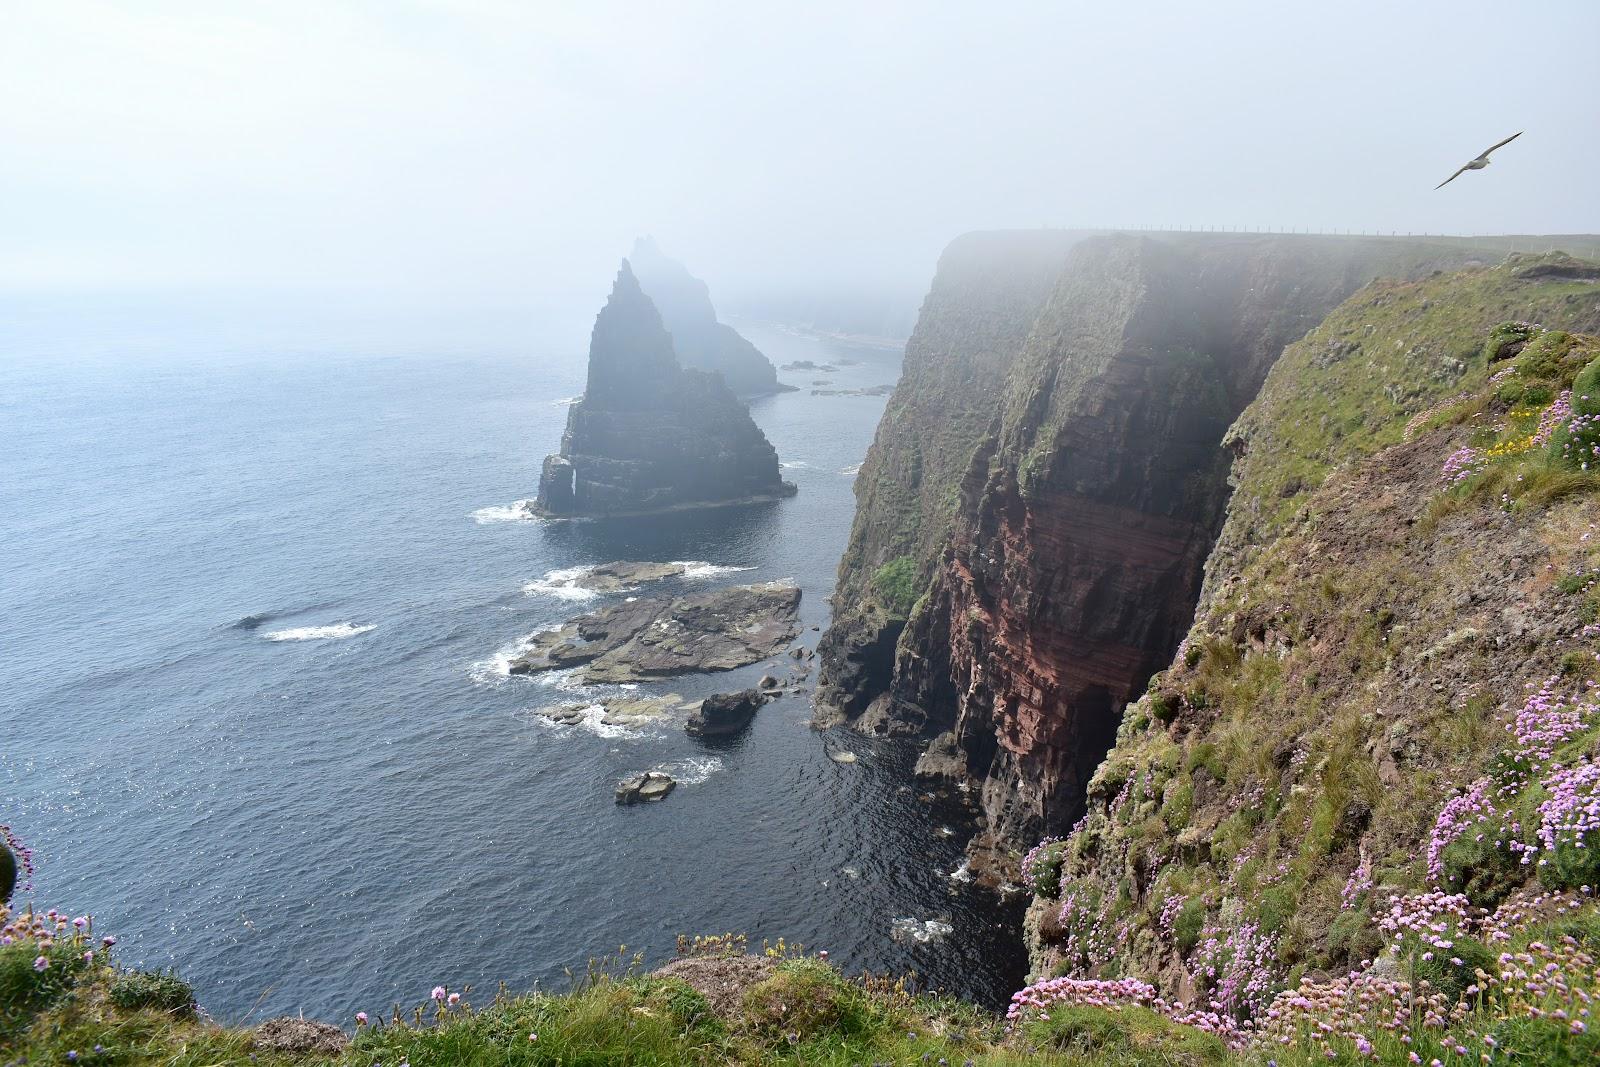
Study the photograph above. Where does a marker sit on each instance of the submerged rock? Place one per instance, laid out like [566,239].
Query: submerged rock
[654,637]
[648,435]
[616,711]
[872,390]
[725,714]
[621,576]
[643,788]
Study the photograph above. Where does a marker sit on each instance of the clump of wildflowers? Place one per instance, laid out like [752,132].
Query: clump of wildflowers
[1041,867]
[1359,882]
[1238,964]
[1569,814]
[1460,465]
[1088,936]
[1036,1000]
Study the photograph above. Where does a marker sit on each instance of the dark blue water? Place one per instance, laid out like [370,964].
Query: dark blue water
[256,574]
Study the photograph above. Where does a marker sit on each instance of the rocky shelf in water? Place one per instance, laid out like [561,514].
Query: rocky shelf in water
[874,390]
[657,637]
[644,788]
[622,577]
[628,712]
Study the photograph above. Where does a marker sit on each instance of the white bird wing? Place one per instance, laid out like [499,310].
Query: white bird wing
[1452,178]
[1485,153]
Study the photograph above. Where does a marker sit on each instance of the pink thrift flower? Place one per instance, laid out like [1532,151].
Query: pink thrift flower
[438,992]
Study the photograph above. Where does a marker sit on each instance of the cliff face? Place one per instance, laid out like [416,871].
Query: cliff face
[701,342]
[1057,551]
[1388,685]
[649,435]
[987,292]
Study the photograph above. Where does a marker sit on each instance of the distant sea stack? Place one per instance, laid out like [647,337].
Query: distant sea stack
[702,343]
[648,435]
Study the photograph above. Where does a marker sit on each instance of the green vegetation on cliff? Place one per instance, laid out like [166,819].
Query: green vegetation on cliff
[716,1006]
[1378,748]
[896,584]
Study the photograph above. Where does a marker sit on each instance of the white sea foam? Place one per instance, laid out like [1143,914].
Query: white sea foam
[795,464]
[962,873]
[566,681]
[318,633]
[692,771]
[594,722]
[567,401]
[851,471]
[699,569]
[497,668]
[922,931]
[561,584]
[517,511]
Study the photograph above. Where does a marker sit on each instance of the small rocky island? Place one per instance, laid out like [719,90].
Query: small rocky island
[659,637]
[650,436]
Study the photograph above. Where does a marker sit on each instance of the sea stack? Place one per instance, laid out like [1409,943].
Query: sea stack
[701,342]
[648,435]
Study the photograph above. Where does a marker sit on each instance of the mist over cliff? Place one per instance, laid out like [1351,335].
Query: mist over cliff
[1046,486]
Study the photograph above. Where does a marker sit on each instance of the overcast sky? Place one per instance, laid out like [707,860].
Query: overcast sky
[488,149]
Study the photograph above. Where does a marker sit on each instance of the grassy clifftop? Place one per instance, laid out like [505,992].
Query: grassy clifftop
[1378,749]
[718,1006]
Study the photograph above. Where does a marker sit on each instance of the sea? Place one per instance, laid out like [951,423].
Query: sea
[261,569]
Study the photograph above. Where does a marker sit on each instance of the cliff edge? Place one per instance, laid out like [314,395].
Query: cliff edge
[1046,487]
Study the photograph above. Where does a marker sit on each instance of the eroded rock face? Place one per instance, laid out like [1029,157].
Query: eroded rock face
[648,435]
[725,714]
[657,637]
[988,290]
[1069,561]
[702,342]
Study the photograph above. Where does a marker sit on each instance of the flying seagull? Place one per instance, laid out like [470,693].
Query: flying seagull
[1479,163]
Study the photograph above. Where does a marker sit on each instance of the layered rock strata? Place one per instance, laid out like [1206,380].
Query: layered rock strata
[648,435]
[1036,513]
